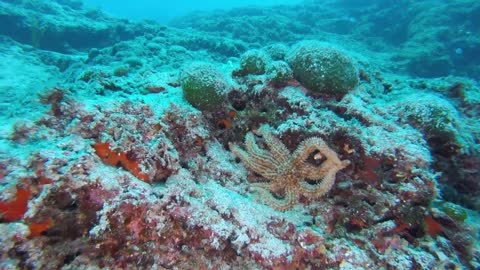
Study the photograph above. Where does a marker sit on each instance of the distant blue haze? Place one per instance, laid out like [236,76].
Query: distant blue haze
[163,11]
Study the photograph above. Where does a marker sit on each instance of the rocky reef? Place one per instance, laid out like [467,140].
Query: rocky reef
[148,146]
[419,38]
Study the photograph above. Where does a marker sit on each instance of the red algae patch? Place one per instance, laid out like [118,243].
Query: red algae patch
[14,210]
[116,158]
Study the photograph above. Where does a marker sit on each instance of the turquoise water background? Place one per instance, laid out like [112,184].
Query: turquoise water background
[163,12]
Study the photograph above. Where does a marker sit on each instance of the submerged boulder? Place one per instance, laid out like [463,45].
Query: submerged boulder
[203,85]
[253,62]
[280,73]
[322,68]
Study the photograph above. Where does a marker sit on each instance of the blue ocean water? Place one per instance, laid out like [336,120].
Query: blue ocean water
[317,134]
[164,12]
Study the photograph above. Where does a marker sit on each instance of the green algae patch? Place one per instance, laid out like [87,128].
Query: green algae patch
[454,211]
[203,86]
[322,68]
[253,62]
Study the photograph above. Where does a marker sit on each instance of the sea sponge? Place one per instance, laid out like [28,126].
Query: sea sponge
[203,86]
[322,68]
[253,62]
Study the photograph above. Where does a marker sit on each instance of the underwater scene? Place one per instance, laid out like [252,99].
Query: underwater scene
[316,134]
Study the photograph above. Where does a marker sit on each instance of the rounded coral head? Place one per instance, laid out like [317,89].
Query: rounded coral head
[253,62]
[322,68]
[203,85]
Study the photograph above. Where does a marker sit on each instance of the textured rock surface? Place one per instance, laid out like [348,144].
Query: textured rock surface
[105,164]
[322,68]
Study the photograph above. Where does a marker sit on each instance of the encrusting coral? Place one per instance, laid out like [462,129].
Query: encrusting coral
[287,172]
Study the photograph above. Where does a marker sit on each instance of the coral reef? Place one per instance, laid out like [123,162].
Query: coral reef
[172,165]
[58,30]
[408,32]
